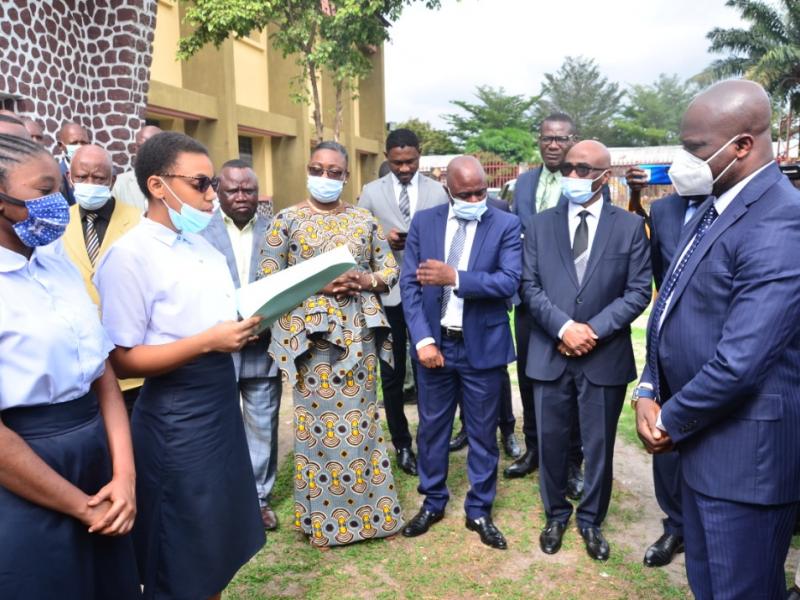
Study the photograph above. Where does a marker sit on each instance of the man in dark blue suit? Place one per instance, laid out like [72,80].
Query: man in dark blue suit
[722,381]
[586,278]
[462,264]
[535,191]
[668,216]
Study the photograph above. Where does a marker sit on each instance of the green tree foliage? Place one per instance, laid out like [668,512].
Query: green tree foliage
[652,116]
[768,52]
[336,37]
[511,144]
[431,140]
[494,110]
[580,90]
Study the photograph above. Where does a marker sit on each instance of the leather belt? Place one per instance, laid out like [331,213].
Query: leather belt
[453,333]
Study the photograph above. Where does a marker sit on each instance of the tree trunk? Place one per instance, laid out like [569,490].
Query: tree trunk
[318,125]
[337,123]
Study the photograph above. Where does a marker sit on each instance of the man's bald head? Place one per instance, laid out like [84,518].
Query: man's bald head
[591,152]
[728,125]
[11,125]
[465,174]
[145,133]
[91,164]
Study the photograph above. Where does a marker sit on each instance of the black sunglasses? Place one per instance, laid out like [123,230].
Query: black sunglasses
[317,171]
[582,169]
[202,182]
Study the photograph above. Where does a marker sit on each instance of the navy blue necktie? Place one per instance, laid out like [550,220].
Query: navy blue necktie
[665,294]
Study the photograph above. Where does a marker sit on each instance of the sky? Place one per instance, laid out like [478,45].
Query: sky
[438,56]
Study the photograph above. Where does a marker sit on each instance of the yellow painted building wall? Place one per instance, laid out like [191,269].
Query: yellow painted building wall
[242,90]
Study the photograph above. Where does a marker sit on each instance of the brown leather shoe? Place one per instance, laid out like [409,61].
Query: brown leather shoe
[269,518]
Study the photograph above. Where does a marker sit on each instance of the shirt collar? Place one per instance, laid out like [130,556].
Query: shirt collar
[228,221]
[556,175]
[594,210]
[159,232]
[413,183]
[11,261]
[104,212]
[726,198]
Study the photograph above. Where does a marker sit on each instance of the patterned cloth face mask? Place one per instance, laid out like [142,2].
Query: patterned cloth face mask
[48,217]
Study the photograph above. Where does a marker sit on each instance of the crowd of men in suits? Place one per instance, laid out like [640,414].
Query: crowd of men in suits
[718,400]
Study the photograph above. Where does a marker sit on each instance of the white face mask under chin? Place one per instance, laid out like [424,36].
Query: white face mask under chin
[692,176]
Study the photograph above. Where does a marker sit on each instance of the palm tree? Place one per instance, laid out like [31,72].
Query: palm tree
[768,52]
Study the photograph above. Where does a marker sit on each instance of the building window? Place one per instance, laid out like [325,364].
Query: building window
[246,149]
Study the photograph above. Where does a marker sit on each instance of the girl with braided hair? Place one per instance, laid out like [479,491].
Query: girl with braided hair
[67,480]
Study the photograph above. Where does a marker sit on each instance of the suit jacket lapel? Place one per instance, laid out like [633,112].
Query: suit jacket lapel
[259,231]
[75,242]
[116,226]
[481,233]
[562,241]
[218,236]
[439,227]
[601,236]
[391,201]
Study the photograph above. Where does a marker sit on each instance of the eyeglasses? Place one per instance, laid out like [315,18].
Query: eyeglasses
[465,196]
[202,182]
[317,171]
[561,140]
[582,169]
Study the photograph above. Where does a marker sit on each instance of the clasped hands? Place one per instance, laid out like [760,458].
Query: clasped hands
[578,339]
[347,284]
[655,440]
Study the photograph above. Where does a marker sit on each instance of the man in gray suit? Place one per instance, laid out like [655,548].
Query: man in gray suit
[238,232]
[586,277]
[394,199]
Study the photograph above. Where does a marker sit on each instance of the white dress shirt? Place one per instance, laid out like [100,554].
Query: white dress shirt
[157,286]
[454,316]
[51,341]
[573,220]
[126,189]
[242,244]
[413,191]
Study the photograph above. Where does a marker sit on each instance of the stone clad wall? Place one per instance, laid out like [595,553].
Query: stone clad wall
[79,60]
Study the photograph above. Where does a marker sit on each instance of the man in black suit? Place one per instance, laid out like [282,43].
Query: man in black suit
[668,216]
[69,138]
[586,277]
[537,190]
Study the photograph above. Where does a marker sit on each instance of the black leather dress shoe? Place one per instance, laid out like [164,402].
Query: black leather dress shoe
[794,593]
[663,550]
[421,522]
[551,536]
[574,482]
[490,534]
[407,461]
[459,441]
[596,544]
[525,465]
[511,447]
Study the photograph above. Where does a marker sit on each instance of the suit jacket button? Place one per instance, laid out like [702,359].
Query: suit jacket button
[579,300]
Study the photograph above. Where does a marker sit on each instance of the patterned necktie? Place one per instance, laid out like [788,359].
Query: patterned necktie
[580,245]
[664,295]
[549,180]
[405,203]
[92,240]
[453,258]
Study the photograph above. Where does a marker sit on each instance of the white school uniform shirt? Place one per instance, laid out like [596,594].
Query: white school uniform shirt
[51,342]
[157,286]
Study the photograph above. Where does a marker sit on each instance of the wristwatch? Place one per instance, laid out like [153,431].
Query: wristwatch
[373,281]
[642,391]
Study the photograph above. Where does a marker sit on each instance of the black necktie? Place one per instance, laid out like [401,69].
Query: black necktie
[580,245]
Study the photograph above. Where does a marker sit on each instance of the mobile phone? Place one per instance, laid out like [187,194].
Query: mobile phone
[402,234]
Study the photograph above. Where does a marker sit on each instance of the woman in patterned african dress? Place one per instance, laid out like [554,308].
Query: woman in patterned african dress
[328,348]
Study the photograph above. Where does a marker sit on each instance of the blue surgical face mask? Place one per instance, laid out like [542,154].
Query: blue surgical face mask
[579,191]
[469,211]
[70,150]
[190,219]
[324,189]
[90,196]
[48,217]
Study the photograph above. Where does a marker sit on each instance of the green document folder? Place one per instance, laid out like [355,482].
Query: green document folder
[280,293]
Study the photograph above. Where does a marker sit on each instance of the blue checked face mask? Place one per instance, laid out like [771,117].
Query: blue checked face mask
[47,220]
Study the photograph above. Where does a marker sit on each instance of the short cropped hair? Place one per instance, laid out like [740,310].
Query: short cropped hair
[335,146]
[157,155]
[400,138]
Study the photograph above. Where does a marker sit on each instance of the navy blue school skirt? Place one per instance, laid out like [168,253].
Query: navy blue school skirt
[45,554]
[198,516]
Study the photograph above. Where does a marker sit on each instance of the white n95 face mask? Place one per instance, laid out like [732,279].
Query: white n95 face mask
[692,176]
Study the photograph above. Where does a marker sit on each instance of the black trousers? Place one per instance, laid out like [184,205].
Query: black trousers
[598,409]
[392,379]
[522,330]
